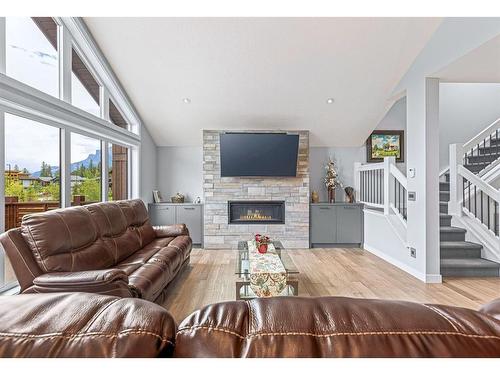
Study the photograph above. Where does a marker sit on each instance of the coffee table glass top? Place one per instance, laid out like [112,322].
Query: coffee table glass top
[243,262]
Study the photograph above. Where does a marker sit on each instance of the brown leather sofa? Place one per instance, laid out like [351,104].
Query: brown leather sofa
[106,248]
[90,325]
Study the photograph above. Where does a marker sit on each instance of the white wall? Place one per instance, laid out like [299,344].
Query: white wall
[465,110]
[180,169]
[149,157]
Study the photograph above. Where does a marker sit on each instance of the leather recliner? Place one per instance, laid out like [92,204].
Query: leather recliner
[91,325]
[106,248]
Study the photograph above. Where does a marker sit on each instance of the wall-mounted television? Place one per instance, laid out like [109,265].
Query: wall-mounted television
[259,154]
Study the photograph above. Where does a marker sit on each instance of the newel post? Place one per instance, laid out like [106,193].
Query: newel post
[387,183]
[456,181]
[357,184]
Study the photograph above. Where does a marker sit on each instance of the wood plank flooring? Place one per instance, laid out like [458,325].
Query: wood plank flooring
[324,272]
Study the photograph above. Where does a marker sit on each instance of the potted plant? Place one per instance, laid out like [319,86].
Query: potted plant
[262,244]
[331,180]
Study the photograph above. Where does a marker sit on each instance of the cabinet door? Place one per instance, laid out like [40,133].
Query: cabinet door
[162,215]
[323,224]
[349,224]
[191,216]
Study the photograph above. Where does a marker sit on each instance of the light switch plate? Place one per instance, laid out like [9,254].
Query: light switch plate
[411,172]
[412,195]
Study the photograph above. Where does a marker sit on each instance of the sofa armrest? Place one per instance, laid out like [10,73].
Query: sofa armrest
[492,308]
[111,282]
[171,230]
[83,325]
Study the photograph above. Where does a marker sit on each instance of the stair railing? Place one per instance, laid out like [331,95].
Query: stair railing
[484,146]
[382,186]
[471,195]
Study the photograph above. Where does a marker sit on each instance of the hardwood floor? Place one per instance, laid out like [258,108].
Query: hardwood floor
[324,272]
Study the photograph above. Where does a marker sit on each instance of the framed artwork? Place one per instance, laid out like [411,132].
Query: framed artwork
[382,143]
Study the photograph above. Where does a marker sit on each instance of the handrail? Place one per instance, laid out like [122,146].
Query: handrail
[370,167]
[485,133]
[484,186]
[398,175]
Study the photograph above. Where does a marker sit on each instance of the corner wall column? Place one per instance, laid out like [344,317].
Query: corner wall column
[423,151]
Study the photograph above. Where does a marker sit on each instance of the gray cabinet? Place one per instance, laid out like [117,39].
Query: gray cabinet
[336,224]
[190,214]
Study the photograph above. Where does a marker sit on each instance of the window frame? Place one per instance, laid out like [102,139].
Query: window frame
[22,100]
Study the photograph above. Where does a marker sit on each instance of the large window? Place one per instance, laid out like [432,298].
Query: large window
[31,52]
[85,169]
[32,182]
[84,87]
[118,172]
[36,141]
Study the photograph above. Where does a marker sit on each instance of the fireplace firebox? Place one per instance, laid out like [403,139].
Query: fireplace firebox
[256,212]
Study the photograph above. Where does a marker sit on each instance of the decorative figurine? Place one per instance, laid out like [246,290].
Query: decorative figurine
[331,180]
[349,194]
[314,197]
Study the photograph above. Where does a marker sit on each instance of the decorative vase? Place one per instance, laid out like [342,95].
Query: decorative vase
[314,197]
[262,248]
[177,198]
[331,195]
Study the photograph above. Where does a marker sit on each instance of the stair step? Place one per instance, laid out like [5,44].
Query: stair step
[444,220]
[444,186]
[444,196]
[482,158]
[452,234]
[469,267]
[460,249]
[443,207]
[475,168]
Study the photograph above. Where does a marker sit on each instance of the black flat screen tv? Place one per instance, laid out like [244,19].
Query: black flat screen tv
[259,154]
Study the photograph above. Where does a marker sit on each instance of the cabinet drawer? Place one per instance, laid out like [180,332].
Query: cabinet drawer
[162,215]
[323,224]
[191,216]
[349,225]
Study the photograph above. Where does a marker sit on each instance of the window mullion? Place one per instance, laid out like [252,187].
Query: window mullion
[64,50]
[65,168]
[104,170]
[104,103]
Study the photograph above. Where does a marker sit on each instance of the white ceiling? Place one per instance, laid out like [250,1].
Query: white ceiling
[479,65]
[261,73]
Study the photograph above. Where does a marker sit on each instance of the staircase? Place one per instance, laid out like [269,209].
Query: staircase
[485,154]
[460,257]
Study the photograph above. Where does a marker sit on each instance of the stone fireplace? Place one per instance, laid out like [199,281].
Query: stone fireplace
[221,231]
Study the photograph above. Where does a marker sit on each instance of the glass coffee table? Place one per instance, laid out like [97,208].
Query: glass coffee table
[243,290]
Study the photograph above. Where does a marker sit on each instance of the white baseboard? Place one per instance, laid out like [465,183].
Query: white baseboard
[397,263]
[433,278]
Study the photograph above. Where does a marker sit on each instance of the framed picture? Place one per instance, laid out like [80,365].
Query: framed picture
[382,143]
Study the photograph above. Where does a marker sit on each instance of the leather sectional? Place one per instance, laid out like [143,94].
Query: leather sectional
[92,325]
[107,248]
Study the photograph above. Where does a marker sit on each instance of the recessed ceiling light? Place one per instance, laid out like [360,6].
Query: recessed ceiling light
[186,100]
[330,100]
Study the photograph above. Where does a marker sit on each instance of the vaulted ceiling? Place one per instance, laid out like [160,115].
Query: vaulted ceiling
[261,73]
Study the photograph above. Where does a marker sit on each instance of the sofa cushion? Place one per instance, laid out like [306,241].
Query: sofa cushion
[141,256]
[66,240]
[336,327]
[152,277]
[124,226]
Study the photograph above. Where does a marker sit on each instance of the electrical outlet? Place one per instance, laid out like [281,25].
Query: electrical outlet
[413,252]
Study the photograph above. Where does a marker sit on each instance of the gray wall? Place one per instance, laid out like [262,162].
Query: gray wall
[465,109]
[148,160]
[180,169]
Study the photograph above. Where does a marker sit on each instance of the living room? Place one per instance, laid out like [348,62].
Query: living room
[268,186]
